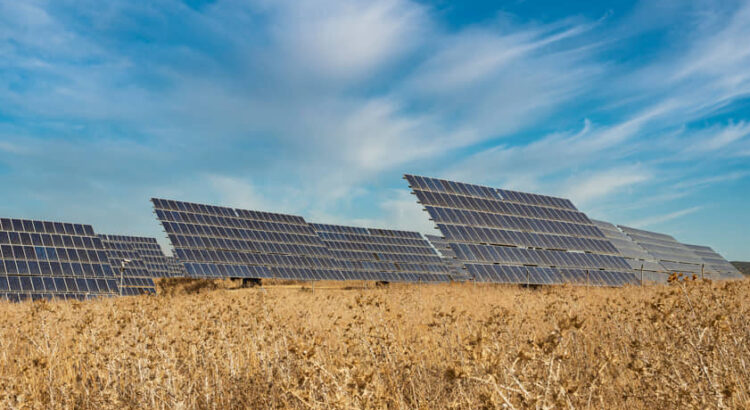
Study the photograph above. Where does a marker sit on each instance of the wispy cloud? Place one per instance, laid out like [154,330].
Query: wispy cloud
[583,189]
[660,219]
[712,180]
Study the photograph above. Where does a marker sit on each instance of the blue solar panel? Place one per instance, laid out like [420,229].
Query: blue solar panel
[128,261]
[383,254]
[514,237]
[43,259]
[215,242]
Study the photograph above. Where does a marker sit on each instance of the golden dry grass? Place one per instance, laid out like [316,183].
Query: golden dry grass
[446,346]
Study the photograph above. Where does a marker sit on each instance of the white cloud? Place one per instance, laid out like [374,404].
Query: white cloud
[523,166]
[712,180]
[236,192]
[348,39]
[398,210]
[584,189]
[717,137]
[658,219]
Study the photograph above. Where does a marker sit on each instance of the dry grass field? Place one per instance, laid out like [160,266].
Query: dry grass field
[443,346]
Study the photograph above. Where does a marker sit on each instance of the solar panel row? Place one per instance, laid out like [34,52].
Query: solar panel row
[716,262]
[41,259]
[176,268]
[383,252]
[457,270]
[478,191]
[640,261]
[516,223]
[535,275]
[150,252]
[135,277]
[214,241]
[671,254]
[498,206]
[496,236]
[524,256]
[494,227]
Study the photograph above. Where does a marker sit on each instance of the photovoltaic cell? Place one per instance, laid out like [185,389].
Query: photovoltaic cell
[43,259]
[514,237]
[382,254]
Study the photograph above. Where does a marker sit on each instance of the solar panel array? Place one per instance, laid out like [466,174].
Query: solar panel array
[716,262]
[215,242]
[383,254]
[449,256]
[157,263]
[671,254]
[633,253]
[134,276]
[42,259]
[514,237]
[176,268]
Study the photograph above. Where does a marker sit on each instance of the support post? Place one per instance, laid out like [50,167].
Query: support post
[528,278]
[702,270]
[588,278]
[122,273]
[641,274]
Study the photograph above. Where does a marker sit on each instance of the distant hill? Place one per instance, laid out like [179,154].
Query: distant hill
[743,267]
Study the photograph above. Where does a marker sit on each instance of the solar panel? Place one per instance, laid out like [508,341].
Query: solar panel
[220,242]
[383,254]
[716,262]
[457,270]
[673,256]
[149,251]
[515,237]
[43,259]
[176,268]
[134,275]
[638,258]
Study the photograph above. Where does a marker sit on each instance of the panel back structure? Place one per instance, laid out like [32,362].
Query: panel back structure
[716,262]
[673,256]
[219,242]
[384,254]
[514,237]
[43,259]
[638,258]
[134,277]
[458,272]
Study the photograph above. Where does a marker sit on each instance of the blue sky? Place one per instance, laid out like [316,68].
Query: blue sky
[637,111]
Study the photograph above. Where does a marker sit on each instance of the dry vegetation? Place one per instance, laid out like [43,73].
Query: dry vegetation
[677,346]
